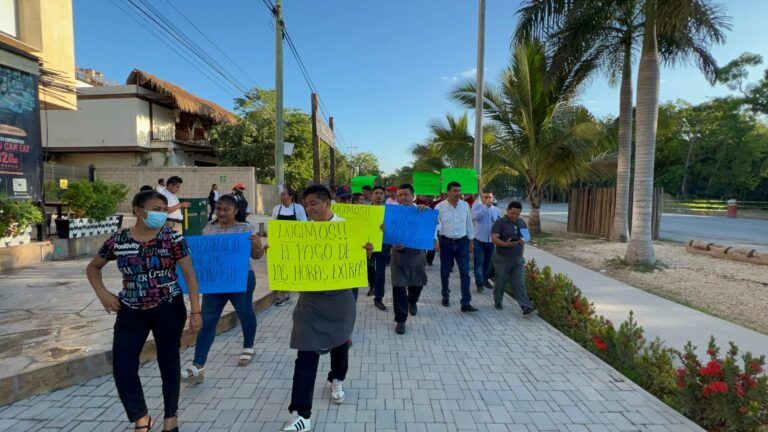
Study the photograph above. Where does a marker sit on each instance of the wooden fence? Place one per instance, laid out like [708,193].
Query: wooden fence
[591,211]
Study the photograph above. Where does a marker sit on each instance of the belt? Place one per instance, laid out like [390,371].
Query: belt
[453,239]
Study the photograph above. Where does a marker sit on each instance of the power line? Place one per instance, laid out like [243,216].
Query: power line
[210,41]
[168,27]
[307,77]
[138,19]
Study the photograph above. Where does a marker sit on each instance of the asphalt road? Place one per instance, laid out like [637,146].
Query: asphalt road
[733,232]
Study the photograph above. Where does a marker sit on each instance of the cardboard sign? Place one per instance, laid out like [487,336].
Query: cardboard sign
[369,217]
[316,256]
[221,262]
[426,183]
[410,227]
[466,177]
[360,181]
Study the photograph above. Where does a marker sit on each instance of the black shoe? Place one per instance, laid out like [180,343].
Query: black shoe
[446,303]
[527,312]
[479,289]
[488,284]
[370,292]
[400,328]
[380,305]
[468,308]
[413,309]
[498,305]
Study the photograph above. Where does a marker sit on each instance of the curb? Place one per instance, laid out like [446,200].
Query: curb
[96,364]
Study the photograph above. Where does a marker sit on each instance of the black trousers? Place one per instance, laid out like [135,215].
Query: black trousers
[305,373]
[403,297]
[430,256]
[132,326]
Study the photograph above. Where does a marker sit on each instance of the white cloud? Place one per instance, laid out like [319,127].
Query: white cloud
[464,75]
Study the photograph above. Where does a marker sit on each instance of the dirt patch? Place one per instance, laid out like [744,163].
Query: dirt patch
[734,291]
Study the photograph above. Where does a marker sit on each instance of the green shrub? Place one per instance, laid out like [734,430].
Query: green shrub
[17,214]
[94,200]
[719,396]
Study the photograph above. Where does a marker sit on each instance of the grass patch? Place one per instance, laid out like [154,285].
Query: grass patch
[621,263]
[544,238]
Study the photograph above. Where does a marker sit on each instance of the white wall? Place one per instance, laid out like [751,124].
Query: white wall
[96,123]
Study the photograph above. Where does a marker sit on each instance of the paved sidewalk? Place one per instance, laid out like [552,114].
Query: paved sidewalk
[491,371]
[674,323]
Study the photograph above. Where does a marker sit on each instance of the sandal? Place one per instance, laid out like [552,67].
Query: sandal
[193,374]
[246,356]
[147,427]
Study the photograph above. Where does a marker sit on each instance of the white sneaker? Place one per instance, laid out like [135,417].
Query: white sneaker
[299,424]
[337,392]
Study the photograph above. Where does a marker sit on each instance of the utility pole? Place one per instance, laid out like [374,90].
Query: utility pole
[478,159]
[332,151]
[279,144]
[315,141]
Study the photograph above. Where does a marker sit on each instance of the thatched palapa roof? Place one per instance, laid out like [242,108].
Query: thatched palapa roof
[184,100]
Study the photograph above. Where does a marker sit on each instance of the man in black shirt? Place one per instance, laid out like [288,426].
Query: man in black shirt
[509,263]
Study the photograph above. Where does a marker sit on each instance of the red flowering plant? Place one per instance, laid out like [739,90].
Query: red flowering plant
[719,393]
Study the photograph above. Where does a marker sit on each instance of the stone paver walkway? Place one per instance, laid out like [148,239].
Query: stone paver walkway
[491,371]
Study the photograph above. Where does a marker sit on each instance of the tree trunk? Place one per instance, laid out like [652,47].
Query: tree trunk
[684,186]
[534,197]
[620,230]
[640,247]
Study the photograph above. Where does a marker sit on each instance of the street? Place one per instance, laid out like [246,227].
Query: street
[751,233]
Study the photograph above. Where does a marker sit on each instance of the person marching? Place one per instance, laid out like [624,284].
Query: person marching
[151,300]
[213,304]
[408,271]
[377,267]
[484,214]
[509,263]
[213,196]
[288,209]
[238,191]
[456,235]
[391,194]
[322,322]
[175,218]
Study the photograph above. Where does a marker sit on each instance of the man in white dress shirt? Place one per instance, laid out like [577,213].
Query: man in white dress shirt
[455,243]
[175,215]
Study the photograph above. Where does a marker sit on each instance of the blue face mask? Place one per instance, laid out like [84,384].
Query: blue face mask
[155,219]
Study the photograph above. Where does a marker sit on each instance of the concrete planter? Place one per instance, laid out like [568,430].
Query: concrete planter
[21,238]
[79,228]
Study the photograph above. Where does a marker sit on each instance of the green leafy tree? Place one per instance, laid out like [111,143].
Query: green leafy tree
[541,133]
[364,164]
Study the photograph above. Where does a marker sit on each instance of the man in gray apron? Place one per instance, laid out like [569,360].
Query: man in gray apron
[408,271]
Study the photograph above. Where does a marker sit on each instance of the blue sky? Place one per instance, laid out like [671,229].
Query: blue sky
[383,68]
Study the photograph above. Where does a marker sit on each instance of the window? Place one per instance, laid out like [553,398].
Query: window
[8,17]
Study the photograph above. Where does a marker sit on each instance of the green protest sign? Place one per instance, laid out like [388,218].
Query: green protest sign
[466,177]
[426,183]
[360,181]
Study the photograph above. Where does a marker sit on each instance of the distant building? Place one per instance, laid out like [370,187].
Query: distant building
[37,71]
[146,122]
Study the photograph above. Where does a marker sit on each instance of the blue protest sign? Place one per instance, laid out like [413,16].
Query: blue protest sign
[525,234]
[409,227]
[221,262]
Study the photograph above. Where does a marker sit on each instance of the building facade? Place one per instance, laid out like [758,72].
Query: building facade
[145,122]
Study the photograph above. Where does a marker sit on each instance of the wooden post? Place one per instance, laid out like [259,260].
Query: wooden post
[315,142]
[332,152]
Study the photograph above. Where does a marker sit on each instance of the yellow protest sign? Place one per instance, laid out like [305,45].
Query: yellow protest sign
[316,256]
[369,217]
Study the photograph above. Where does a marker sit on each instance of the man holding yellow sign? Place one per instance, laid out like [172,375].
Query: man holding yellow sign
[322,261]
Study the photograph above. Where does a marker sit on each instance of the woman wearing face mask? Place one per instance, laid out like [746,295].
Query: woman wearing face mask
[151,300]
[213,304]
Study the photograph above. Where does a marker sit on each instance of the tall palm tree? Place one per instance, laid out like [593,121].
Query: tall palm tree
[540,132]
[606,33]
[675,31]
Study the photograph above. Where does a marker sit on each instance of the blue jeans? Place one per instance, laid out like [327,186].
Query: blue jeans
[458,251]
[213,305]
[483,254]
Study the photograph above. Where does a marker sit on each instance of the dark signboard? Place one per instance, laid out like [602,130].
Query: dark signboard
[20,141]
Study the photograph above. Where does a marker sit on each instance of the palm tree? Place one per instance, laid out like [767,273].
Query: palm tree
[539,132]
[604,32]
[451,138]
[674,30]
